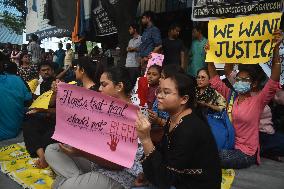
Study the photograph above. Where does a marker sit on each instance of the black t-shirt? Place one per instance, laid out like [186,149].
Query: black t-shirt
[46,85]
[172,50]
[188,148]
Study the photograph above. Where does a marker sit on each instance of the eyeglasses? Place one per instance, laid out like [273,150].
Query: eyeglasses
[244,79]
[163,93]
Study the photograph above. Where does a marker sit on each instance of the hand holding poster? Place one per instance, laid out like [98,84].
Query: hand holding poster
[42,101]
[97,124]
[246,40]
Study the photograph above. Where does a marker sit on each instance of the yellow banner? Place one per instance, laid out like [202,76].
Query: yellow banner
[245,40]
[33,85]
[42,101]
[16,162]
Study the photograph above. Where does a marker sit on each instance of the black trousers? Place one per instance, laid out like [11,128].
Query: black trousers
[37,131]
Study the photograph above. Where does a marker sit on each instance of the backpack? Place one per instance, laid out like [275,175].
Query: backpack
[221,125]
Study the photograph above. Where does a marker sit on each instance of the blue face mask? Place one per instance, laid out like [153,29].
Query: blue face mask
[242,87]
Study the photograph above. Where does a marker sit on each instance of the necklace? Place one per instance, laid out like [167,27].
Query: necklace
[175,121]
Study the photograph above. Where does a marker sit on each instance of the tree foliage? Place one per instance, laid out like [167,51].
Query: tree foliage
[14,15]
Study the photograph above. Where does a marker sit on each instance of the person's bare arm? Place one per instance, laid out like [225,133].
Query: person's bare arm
[276,64]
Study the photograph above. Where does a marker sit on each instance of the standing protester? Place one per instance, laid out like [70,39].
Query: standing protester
[173,48]
[246,110]
[14,95]
[132,60]
[69,55]
[60,55]
[15,55]
[151,39]
[197,53]
[34,49]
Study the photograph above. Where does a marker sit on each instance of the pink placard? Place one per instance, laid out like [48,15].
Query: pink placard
[96,123]
[155,59]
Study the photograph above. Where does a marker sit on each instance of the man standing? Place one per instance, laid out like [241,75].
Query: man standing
[68,56]
[34,49]
[197,53]
[132,62]
[151,39]
[60,55]
[173,48]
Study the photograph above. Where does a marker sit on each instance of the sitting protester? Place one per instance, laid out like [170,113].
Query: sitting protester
[40,124]
[26,70]
[77,169]
[187,156]
[246,111]
[271,140]
[206,96]
[46,77]
[14,95]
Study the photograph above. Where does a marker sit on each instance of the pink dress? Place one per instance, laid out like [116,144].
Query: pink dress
[246,116]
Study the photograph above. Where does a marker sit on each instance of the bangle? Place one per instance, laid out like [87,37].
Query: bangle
[148,155]
[278,63]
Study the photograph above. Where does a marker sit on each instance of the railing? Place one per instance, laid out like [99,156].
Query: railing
[160,6]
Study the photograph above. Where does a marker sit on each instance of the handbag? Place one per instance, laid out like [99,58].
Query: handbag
[221,125]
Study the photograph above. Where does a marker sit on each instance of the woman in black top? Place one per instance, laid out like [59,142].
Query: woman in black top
[40,124]
[187,156]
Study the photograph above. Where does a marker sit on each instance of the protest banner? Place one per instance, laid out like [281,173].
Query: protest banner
[204,10]
[157,59]
[42,101]
[267,66]
[245,40]
[33,85]
[95,123]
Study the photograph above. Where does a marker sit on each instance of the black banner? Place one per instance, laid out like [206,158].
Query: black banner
[206,9]
[51,32]
[103,24]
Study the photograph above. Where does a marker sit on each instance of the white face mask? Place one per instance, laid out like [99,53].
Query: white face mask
[242,87]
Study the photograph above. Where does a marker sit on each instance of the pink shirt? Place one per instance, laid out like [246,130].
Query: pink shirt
[246,116]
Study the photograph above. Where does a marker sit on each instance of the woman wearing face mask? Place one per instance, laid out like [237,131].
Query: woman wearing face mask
[77,169]
[246,111]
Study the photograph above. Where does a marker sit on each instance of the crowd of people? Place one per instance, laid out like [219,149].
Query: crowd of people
[178,146]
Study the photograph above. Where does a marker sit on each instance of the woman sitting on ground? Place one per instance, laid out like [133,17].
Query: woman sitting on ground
[206,96]
[26,70]
[78,169]
[187,157]
[40,124]
[246,111]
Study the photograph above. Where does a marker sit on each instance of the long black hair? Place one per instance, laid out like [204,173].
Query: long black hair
[92,68]
[120,74]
